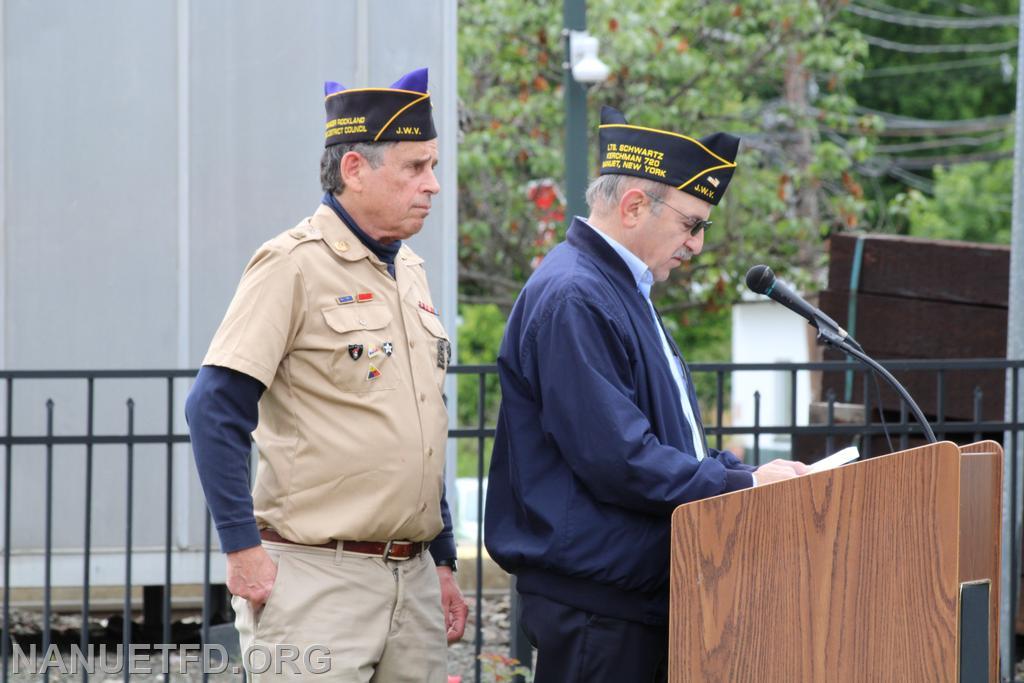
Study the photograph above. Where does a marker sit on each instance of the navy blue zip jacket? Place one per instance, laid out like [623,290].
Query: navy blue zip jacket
[592,451]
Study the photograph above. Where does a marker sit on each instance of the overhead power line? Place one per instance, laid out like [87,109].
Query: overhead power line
[912,179]
[938,49]
[944,143]
[903,119]
[965,8]
[918,20]
[961,7]
[878,167]
[947,65]
[924,163]
[908,126]
[950,128]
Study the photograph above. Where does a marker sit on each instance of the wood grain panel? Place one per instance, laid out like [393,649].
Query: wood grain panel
[849,575]
[894,327]
[981,486]
[923,269]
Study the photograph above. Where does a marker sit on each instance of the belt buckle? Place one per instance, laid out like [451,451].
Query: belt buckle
[390,545]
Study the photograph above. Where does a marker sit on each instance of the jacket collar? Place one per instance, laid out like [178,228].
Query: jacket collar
[583,237]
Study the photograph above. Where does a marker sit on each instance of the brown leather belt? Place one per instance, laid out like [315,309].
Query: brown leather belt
[391,550]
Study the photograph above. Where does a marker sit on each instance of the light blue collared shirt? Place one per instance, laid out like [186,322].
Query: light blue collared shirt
[644,281]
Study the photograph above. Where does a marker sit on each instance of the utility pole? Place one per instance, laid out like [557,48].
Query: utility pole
[574,18]
[1010,583]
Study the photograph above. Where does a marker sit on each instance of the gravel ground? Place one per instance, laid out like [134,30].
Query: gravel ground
[495,638]
[461,656]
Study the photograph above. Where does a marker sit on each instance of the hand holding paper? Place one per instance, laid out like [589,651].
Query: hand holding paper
[779,470]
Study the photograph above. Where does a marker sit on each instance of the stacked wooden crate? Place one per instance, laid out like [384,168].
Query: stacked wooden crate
[922,299]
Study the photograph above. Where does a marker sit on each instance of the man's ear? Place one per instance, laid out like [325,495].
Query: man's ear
[353,168]
[632,207]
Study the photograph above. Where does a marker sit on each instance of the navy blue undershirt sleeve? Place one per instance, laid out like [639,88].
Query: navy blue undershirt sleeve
[443,547]
[222,411]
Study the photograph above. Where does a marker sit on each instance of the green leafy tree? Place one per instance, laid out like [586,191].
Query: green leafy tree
[510,123]
[940,74]
[970,202]
[774,72]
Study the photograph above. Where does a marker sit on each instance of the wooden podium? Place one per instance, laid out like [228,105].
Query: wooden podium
[882,570]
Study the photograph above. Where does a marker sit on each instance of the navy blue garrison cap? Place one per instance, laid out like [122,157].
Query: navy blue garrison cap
[401,112]
[701,167]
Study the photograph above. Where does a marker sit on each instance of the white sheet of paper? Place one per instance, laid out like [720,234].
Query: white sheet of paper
[835,460]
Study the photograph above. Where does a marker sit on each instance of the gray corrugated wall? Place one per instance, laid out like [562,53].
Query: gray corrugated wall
[148,149]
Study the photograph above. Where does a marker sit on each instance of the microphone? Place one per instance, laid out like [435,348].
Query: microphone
[761,280]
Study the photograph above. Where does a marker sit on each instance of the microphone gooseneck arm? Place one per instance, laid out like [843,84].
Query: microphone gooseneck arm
[829,337]
[761,280]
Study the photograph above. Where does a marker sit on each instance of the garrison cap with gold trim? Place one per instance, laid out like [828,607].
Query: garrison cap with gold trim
[401,112]
[701,167]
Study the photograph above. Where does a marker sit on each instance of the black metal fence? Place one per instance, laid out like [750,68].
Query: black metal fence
[30,435]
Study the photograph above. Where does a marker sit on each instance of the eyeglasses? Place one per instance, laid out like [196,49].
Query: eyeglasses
[694,225]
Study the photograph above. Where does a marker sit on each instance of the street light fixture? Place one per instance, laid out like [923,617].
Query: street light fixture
[586,67]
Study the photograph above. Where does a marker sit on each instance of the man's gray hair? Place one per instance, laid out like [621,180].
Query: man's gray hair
[605,191]
[330,162]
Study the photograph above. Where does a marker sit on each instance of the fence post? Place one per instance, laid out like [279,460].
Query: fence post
[519,645]
[829,441]
[170,512]
[126,626]
[757,428]
[1010,581]
[481,447]
[904,427]
[866,443]
[48,551]
[87,550]
[8,641]
[719,406]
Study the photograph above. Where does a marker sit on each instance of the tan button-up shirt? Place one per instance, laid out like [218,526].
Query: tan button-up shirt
[352,426]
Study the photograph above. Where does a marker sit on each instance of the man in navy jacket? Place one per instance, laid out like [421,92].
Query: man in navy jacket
[599,435]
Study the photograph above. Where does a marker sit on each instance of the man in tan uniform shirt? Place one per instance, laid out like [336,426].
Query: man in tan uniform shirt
[333,330]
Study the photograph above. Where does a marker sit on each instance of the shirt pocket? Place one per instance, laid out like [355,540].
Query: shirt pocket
[438,349]
[361,340]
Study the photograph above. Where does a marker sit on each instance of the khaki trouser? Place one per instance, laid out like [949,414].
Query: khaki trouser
[337,616]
